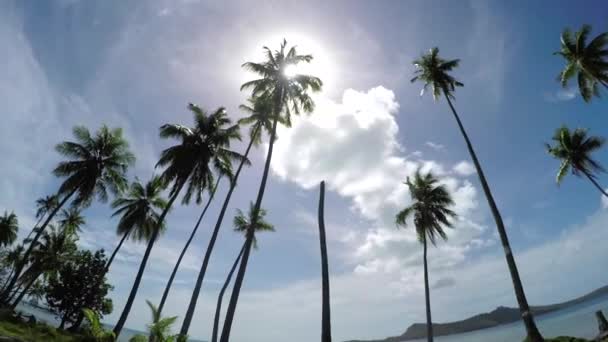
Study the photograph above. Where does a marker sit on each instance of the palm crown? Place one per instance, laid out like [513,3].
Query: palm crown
[260,117]
[430,207]
[71,220]
[433,71]
[97,164]
[202,146]
[138,209]
[9,225]
[586,61]
[288,94]
[243,221]
[574,149]
[52,250]
[45,205]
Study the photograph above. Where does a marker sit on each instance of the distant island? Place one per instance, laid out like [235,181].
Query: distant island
[499,316]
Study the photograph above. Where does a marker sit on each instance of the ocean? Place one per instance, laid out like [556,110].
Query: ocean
[576,321]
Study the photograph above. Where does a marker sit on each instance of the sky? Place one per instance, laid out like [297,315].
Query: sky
[137,65]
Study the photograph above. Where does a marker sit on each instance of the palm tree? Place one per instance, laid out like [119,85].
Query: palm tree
[96,164]
[53,249]
[260,120]
[9,225]
[574,150]
[326,311]
[430,209]
[241,224]
[11,259]
[44,206]
[71,220]
[587,61]
[140,219]
[287,94]
[433,71]
[188,164]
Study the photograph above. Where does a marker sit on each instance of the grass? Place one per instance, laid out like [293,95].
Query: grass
[36,332]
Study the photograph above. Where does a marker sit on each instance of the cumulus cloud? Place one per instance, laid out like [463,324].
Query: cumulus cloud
[464,168]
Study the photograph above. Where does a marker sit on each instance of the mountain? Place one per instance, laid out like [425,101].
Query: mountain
[500,315]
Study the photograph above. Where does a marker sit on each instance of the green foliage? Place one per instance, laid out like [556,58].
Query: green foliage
[45,205]
[70,220]
[430,207]
[138,209]
[38,332]
[587,62]
[432,70]
[96,329]
[9,226]
[260,117]
[78,285]
[573,149]
[159,329]
[97,163]
[242,222]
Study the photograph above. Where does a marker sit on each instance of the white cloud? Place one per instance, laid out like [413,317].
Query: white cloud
[435,146]
[464,168]
[560,95]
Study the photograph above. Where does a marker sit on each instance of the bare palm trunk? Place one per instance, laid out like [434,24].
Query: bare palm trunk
[597,185]
[220,297]
[127,309]
[24,292]
[325,315]
[181,255]
[427,296]
[238,282]
[109,263]
[201,275]
[526,315]
[26,256]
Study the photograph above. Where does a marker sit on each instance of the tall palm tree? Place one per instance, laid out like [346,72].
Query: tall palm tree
[241,223]
[44,205]
[11,259]
[71,220]
[188,164]
[139,218]
[9,225]
[574,150]
[287,94]
[53,249]
[260,120]
[326,311]
[433,71]
[96,163]
[587,62]
[431,213]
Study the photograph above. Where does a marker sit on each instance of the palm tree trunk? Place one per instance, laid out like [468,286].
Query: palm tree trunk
[109,263]
[597,185]
[427,296]
[181,255]
[220,297]
[127,309]
[201,275]
[238,282]
[325,315]
[26,256]
[526,315]
[24,292]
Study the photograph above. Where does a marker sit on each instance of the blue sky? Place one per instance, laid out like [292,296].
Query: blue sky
[137,64]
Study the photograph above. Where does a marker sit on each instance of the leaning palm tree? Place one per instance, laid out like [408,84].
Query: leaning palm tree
[287,94]
[587,62]
[97,163]
[188,164]
[139,217]
[71,221]
[11,259]
[241,224]
[433,71]
[259,120]
[44,205]
[431,214]
[9,225]
[573,149]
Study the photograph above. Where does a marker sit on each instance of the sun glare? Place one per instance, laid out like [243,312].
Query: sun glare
[291,71]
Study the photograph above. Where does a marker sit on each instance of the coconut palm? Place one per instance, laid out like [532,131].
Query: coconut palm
[431,213]
[573,149]
[288,94]
[325,295]
[96,163]
[585,61]
[71,220]
[241,224]
[433,71]
[11,258]
[53,249]
[9,225]
[188,164]
[259,120]
[44,205]
[139,218]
